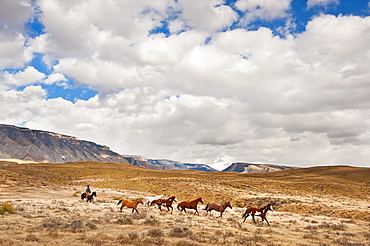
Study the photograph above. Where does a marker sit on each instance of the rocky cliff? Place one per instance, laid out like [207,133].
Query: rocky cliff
[41,146]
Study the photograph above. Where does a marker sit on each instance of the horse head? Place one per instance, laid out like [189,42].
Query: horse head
[268,207]
[200,200]
[140,201]
[93,194]
[228,204]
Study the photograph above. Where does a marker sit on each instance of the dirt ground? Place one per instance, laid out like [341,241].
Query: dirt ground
[55,215]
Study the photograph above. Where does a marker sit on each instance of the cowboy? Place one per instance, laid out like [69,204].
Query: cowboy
[88,191]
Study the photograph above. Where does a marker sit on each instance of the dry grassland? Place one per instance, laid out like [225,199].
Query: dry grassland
[314,206]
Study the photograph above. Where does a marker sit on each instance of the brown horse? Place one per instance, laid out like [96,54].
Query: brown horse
[217,207]
[190,205]
[258,212]
[130,204]
[166,202]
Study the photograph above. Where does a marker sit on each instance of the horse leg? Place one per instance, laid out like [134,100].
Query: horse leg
[264,218]
[221,215]
[245,215]
[253,219]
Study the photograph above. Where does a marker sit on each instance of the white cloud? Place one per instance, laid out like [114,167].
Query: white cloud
[27,77]
[207,15]
[197,95]
[263,9]
[15,13]
[312,3]
[13,53]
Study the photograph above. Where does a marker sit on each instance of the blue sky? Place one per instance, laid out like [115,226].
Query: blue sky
[213,82]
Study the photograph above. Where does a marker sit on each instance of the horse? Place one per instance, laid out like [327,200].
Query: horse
[88,197]
[130,204]
[166,202]
[258,212]
[150,199]
[190,205]
[217,207]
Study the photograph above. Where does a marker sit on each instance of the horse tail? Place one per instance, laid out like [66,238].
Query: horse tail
[119,202]
[206,207]
[178,207]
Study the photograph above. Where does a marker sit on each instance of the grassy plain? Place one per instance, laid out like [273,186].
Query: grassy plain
[313,206]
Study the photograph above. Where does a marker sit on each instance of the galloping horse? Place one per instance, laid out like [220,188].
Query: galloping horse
[258,212]
[150,199]
[190,205]
[217,207]
[130,204]
[166,202]
[89,198]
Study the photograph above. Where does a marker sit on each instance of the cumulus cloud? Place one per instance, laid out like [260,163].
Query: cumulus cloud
[15,13]
[312,3]
[195,93]
[27,77]
[263,10]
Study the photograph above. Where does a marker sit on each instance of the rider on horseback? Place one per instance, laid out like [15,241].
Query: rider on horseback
[88,191]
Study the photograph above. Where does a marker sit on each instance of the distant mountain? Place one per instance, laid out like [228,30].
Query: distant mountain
[168,164]
[200,167]
[243,167]
[176,165]
[41,146]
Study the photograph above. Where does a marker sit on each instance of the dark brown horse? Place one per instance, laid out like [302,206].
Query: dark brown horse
[217,207]
[89,197]
[130,204]
[189,205]
[164,202]
[258,212]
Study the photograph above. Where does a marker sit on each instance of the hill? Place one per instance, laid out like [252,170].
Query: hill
[335,180]
[243,167]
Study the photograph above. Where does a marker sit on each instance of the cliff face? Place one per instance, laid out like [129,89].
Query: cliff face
[41,146]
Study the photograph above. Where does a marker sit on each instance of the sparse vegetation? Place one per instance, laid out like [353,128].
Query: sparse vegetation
[6,208]
[49,214]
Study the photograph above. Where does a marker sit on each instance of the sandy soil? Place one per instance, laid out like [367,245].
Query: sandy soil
[52,215]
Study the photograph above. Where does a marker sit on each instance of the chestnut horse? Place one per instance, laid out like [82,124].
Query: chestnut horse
[88,197]
[190,205]
[217,207]
[166,202]
[130,204]
[258,212]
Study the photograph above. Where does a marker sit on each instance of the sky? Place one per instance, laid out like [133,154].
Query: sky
[198,81]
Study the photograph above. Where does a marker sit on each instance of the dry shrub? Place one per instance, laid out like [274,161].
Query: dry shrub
[76,225]
[333,226]
[32,238]
[129,238]
[125,220]
[53,224]
[91,225]
[156,232]
[180,232]
[6,207]
[152,221]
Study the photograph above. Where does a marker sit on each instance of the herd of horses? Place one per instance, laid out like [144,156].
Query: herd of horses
[161,201]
